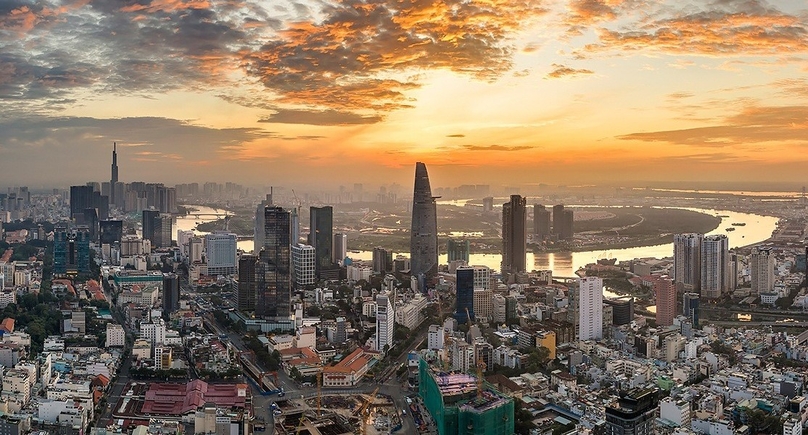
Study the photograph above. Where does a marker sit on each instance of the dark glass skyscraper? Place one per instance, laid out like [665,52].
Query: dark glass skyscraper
[514,236]
[541,221]
[111,232]
[247,282]
[321,235]
[81,198]
[274,269]
[171,294]
[424,234]
[71,251]
[633,414]
[465,294]
[690,307]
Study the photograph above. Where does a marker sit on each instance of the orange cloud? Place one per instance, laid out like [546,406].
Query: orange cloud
[561,71]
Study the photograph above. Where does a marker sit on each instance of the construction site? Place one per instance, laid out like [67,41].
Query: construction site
[370,414]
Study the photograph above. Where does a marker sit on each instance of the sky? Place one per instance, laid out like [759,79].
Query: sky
[334,92]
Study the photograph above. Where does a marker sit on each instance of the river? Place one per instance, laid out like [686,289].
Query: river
[563,264]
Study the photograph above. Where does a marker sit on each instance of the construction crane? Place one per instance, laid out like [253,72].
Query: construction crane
[300,425]
[319,394]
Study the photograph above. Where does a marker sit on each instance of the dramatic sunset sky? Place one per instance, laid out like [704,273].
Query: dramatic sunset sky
[485,91]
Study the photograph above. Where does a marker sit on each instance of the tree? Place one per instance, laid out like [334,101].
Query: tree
[295,374]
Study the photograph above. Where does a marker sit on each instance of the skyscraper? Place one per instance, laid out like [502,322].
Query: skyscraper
[424,232]
[514,236]
[246,282]
[274,274]
[541,221]
[590,308]
[382,260]
[81,198]
[568,219]
[690,307]
[458,250]
[761,268]
[71,250]
[171,294]
[304,261]
[715,266]
[157,228]
[114,178]
[321,235]
[558,219]
[111,232]
[340,247]
[385,322]
[258,234]
[665,291]
[465,294]
[687,260]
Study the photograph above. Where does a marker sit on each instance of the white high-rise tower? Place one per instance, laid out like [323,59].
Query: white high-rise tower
[714,266]
[590,308]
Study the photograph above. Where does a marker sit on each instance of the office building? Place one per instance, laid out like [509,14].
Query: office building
[258,235]
[71,251]
[458,250]
[465,294]
[245,298]
[690,307]
[541,222]
[665,291]
[321,236]
[483,303]
[622,310]
[424,231]
[761,268]
[111,232]
[81,198]
[456,406]
[385,322]
[171,294]
[514,237]
[304,261]
[382,261]
[687,260]
[220,249]
[274,272]
[340,251]
[157,228]
[567,222]
[634,413]
[715,266]
[341,332]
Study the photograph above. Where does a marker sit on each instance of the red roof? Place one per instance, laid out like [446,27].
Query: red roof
[177,399]
[7,325]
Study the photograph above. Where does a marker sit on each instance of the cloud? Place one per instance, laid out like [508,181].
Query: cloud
[319,117]
[456,135]
[347,60]
[753,125]
[562,71]
[679,95]
[726,28]
[497,148]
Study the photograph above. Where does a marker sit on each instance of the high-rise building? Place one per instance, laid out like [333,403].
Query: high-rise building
[558,219]
[341,332]
[340,247]
[690,308]
[761,268]
[488,203]
[304,259]
[715,266]
[114,177]
[81,198]
[458,250]
[220,249]
[258,235]
[514,236]
[71,250]
[568,220]
[465,294]
[483,303]
[590,308]
[633,414]
[541,221]
[321,235]
[385,321]
[246,282]
[622,310]
[274,272]
[171,294]
[424,231]
[111,232]
[382,260]
[482,277]
[687,260]
[665,291]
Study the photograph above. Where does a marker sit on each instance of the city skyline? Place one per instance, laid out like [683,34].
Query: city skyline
[510,92]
